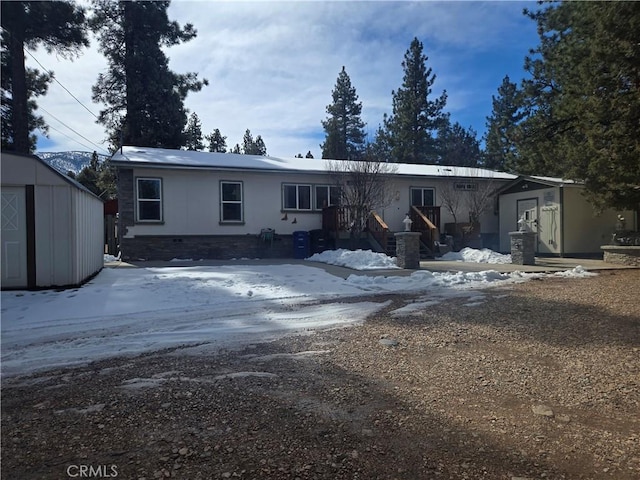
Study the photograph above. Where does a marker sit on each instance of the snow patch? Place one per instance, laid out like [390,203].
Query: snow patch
[473,255]
[355,259]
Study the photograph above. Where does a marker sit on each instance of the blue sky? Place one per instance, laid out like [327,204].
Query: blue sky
[272,66]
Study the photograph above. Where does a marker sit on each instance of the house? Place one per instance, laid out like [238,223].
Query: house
[196,205]
[565,223]
[52,227]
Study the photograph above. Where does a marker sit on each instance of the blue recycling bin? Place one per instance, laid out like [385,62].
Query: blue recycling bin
[301,244]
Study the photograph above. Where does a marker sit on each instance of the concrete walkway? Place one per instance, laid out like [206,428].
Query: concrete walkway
[543,264]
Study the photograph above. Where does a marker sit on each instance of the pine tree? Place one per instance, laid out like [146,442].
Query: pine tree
[247,143]
[501,152]
[259,148]
[583,100]
[58,26]
[344,128]
[381,146]
[193,133]
[37,85]
[99,177]
[459,147]
[251,146]
[415,118]
[144,98]
[309,154]
[236,149]
[217,142]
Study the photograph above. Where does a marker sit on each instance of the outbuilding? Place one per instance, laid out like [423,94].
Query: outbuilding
[556,210]
[52,227]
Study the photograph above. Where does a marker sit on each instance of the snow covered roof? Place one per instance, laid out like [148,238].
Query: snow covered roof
[166,158]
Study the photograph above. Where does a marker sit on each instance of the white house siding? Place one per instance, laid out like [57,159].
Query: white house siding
[68,223]
[585,231]
[191,203]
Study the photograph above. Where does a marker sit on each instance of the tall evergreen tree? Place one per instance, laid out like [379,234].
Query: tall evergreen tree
[251,146]
[217,142]
[501,152]
[345,137]
[37,85]
[259,147]
[415,119]
[144,98]
[381,146]
[458,146]
[583,100]
[193,133]
[57,25]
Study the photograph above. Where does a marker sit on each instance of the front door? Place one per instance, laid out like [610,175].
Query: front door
[528,210]
[14,238]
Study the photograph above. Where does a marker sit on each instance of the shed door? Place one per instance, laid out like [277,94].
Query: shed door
[14,237]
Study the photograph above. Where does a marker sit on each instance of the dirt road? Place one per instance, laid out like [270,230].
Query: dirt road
[538,380]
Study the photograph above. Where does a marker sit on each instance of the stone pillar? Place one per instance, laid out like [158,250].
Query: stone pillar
[523,248]
[408,250]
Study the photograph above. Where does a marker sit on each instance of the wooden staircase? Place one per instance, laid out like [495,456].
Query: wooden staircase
[336,219]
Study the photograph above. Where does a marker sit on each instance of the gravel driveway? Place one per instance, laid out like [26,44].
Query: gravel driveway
[537,380]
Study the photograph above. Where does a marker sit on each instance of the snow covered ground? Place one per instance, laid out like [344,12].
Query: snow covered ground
[128,311]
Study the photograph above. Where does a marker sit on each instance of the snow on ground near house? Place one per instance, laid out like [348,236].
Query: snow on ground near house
[127,311]
[357,260]
[476,256]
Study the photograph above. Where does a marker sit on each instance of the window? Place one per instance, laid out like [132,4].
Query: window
[325,196]
[422,197]
[231,202]
[149,199]
[296,197]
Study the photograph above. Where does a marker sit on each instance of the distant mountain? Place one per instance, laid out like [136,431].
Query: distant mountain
[66,162]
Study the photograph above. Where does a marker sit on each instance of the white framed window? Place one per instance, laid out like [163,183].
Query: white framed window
[325,196]
[422,197]
[148,199]
[231,202]
[296,197]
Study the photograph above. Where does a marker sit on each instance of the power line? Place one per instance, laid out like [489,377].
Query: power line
[72,139]
[60,121]
[65,88]
[79,134]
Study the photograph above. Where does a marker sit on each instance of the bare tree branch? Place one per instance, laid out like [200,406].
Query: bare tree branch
[364,186]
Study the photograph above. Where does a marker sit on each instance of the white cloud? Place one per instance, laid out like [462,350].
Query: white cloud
[272,65]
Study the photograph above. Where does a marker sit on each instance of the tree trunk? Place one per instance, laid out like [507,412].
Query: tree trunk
[20,111]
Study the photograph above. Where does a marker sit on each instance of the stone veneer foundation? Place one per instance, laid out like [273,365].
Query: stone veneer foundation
[622,255]
[204,247]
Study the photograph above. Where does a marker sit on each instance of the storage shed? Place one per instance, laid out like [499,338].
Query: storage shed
[52,227]
[565,222]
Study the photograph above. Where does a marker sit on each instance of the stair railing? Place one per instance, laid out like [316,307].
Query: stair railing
[421,223]
[378,229]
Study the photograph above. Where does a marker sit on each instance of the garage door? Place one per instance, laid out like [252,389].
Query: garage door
[14,238]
